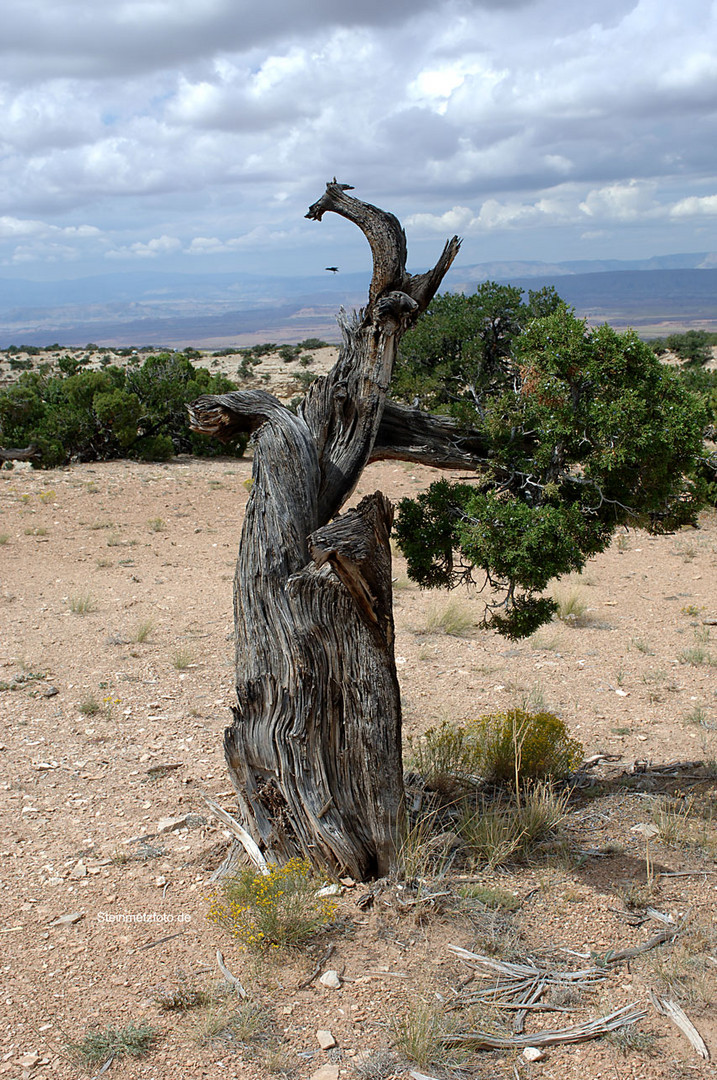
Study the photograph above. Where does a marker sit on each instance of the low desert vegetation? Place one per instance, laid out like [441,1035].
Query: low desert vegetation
[82,604]
[143,632]
[279,908]
[493,782]
[182,659]
[451,617]
[182,996]
[136,411]
[101,1044]
[506,748]
[90,706]
[224,1018]
[511,830]
[419,1037]
[571,608]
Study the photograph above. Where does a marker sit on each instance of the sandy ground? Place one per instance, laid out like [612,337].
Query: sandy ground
[116,657]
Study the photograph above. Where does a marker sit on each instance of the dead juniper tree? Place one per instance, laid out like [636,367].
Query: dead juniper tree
[314,750]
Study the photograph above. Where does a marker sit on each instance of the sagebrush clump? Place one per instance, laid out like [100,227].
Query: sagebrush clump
[273,909]
[501,748]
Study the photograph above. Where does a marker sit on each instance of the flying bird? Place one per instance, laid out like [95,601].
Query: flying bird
[333,269]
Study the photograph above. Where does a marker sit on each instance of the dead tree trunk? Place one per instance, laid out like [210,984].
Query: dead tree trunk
[28,453]
[314,750]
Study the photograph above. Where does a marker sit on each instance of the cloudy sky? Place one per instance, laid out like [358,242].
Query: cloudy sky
[191,135]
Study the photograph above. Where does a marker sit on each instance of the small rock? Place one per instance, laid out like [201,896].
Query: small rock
[29,1061]
[532,1053]
[449,840]
[326,1072]
[325,1039]
[645,829]
[49,691]
[329,890]
[79,870]
[160,881]
[169,824]
[68,920]
[331,979]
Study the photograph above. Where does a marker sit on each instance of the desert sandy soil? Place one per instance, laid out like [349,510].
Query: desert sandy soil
[116,657]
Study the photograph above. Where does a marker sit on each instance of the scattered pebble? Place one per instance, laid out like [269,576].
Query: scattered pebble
[169,824]
[68,920]
[326,1072]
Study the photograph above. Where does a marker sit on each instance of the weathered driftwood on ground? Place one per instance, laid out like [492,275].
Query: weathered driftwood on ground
[674,1012]
[519,987]
[590,1029]
[314,751]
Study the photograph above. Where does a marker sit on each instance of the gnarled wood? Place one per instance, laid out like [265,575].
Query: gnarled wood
[439,441]
[314,751]
[28,453]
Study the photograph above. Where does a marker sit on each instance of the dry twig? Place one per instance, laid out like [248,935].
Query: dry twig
[231,979]
[317,970]
[667,1007]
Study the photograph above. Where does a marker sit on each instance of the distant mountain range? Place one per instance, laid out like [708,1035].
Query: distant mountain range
[658,295]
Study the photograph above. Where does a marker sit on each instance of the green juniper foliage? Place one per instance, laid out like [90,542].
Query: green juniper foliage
[584,429]
[138,411]
[703,384]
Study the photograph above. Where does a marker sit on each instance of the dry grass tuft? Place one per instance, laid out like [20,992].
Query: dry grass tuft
[452,617]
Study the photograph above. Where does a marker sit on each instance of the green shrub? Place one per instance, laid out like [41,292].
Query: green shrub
[311,343]
[138,411]
[443,757]
[577,430]
[278,908]
[501,748]
[133,1040]
[529,746]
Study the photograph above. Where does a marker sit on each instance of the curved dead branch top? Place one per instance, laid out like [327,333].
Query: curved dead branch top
[382,230]
[387,240]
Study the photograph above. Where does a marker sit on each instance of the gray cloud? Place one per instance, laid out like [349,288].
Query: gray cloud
[202,128]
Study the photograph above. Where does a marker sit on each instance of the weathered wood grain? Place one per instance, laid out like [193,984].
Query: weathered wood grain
[314,751]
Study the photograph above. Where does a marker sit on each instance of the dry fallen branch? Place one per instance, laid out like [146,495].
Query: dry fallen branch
[519,986]
[250,846]
[488,966]
[667,1007]
[668,934]
[317,970]
[231,979]
[160,941]
[591,1029]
